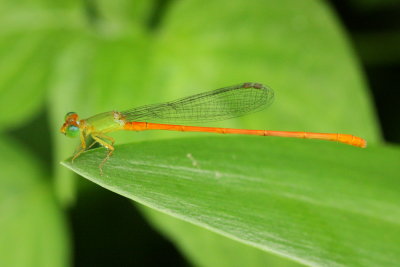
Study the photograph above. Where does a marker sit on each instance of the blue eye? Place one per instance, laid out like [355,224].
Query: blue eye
[72,131]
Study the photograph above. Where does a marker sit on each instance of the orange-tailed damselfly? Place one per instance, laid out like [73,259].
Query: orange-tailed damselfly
[220,104]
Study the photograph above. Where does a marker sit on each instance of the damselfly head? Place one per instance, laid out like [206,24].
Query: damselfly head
[70,127]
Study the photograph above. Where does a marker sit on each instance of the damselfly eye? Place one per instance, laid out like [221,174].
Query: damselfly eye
[72,131]
[68,114]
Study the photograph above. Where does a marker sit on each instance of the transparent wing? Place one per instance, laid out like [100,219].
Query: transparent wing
[220,104]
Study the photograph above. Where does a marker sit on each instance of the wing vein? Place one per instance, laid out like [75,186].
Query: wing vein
[220,104]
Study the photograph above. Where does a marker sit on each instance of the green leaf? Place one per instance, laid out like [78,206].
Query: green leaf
[196,242]
[295,47]
[30,36]
[314,202]
[122,17]
[33,231]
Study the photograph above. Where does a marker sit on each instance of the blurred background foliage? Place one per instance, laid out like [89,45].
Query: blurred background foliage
[91,56]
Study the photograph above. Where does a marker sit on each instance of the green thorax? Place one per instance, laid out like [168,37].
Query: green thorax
[105,122]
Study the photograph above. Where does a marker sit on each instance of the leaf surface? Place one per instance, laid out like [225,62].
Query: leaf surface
[314,202]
